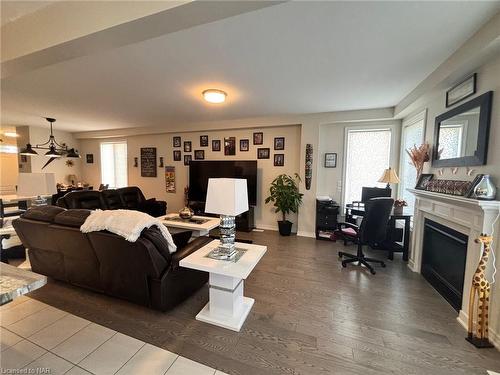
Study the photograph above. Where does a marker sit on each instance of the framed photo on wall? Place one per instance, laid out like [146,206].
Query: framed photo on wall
[203,140]
[230,146]
[187,159]
[461,91]
[258,138]
[176,141]
[279,160]
[330,160]
[279,143]
[199,155]
[187,146]
[177,155]
[148,162]
[215,144]
[89,157]
[263,153]
[244,144]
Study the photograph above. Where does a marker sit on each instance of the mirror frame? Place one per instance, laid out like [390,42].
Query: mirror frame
[479,158]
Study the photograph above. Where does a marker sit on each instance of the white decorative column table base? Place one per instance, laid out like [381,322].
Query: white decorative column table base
[227,306]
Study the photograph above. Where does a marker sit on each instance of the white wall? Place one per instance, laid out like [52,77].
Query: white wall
[155,187]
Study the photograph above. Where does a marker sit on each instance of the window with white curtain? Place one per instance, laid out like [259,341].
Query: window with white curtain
[368,153]
[412,134]
[114,164]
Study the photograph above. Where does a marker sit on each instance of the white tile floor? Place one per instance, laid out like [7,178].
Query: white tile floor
[34,335]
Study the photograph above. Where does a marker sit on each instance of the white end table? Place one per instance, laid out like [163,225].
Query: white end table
[202,229]
[227,307]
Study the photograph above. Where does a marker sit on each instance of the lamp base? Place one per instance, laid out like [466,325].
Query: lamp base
[223,253]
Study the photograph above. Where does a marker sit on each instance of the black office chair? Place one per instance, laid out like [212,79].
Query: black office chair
[373,230]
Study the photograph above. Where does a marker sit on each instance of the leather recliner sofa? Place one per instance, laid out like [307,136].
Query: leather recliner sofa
[129,198]
[143,272]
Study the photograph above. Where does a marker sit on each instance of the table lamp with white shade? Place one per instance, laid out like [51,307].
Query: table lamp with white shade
[389,177]
[36,185]
[227,197]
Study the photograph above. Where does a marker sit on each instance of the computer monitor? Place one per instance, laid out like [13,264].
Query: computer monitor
[368,193]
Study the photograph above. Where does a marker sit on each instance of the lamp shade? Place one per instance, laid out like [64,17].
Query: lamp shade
[35,184]
[227,196]
[28,151]
[389,177]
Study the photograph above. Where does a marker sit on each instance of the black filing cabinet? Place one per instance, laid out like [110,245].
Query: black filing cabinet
[326,217]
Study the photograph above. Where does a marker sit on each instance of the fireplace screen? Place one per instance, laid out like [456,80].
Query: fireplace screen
[443,261]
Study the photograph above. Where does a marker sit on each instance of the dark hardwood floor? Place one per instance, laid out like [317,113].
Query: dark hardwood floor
[310,317]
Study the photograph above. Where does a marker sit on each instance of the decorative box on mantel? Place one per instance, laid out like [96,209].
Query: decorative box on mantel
[470,217]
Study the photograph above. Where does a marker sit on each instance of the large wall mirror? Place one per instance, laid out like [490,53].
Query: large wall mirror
[461,134]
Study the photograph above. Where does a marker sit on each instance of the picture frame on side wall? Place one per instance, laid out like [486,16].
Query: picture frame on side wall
[423,180]
[258,138]
[187,146]
[176,141]
[215,145]
[89,157]
[279,143]
[244,145]
[263,153]
[199,155]
[279,160]
[203,140]
[187,159]
[330,160]
[230,146]
[177,155]
[461,90]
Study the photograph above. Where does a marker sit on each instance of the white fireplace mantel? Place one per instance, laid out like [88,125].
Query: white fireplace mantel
[470,217]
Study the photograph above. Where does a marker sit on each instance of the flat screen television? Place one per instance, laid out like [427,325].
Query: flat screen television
[201,170]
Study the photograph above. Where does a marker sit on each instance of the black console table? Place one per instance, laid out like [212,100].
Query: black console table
[398,240]
[326,217]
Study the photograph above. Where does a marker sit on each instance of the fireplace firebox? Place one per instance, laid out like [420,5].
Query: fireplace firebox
[443,261]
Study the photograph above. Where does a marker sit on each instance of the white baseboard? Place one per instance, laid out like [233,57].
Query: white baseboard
[266,227]
[306,234]
[411,265]
[463,319]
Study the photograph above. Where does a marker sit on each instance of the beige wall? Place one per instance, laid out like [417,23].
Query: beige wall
[155,187]
[488,79]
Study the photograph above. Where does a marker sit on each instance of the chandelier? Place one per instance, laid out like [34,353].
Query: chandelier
[55,150]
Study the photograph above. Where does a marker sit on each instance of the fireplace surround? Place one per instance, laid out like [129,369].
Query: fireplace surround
[469,217]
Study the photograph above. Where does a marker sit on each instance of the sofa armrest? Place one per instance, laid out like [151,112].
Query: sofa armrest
[153,207]
[189,249]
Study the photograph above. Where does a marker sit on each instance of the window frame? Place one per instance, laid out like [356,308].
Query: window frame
[368,127]
[126,157]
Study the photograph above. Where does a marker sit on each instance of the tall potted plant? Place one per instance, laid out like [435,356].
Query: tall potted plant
[284,193]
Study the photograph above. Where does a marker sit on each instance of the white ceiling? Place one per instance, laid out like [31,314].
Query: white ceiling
[12,10]
[297,57]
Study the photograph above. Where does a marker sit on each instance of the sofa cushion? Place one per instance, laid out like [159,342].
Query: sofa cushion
[88,199]
[131,197]
[43,213]
[112,199]
[72,218]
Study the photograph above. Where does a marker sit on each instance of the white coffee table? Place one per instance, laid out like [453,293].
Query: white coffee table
[227,307]
[198,229]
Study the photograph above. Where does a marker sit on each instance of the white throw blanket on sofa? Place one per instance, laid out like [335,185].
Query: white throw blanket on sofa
[126,223]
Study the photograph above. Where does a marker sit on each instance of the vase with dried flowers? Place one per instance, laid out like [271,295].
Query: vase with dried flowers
[418,156]
[398,206]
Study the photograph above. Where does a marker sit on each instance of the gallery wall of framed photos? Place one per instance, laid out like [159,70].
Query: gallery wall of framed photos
[280,153]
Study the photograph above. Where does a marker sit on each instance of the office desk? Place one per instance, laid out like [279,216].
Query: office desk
[391,244]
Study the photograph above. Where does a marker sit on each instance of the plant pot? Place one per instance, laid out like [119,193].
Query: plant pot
[285,227]
[398,210]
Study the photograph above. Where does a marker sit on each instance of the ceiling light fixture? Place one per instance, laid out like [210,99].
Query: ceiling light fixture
[55,150]
[214,96]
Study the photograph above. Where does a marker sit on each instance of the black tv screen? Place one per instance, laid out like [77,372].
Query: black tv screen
[201,170]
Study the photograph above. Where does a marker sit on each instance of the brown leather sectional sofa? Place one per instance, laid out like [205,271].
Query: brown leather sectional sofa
[143,272]
[129,198]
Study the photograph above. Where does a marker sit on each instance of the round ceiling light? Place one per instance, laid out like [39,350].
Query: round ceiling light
[214,96]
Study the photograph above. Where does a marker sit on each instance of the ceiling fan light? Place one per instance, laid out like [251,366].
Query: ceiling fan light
[28,151]
[214,96]
[53,153]
[72,153]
